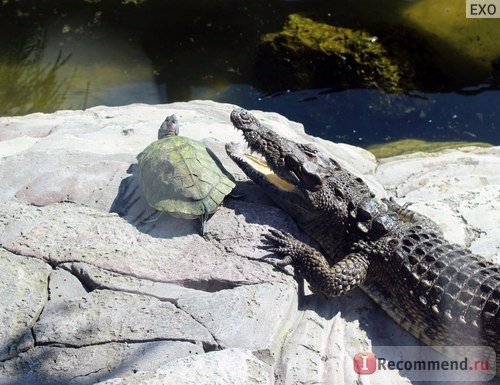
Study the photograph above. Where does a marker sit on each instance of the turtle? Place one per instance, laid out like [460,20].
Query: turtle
[181,176]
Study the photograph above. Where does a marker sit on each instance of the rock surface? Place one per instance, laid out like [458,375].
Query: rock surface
[92,294]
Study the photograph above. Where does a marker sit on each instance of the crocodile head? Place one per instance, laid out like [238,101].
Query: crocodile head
[303,181]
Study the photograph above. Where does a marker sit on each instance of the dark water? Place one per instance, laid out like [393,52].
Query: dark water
[366,117]
[58,55]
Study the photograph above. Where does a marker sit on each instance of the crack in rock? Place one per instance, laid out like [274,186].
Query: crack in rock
[105,315]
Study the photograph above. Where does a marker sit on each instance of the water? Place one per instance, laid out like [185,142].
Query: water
[367,117]
[60,55]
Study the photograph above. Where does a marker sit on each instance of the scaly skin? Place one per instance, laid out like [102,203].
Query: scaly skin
[441,293]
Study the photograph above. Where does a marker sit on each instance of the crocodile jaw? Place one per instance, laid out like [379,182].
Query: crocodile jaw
[255,165]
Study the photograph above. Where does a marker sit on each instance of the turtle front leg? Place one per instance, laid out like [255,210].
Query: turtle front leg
[311,265]
[202,219]
[153,217]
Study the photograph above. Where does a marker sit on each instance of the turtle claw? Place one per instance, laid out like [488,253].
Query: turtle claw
[203,218]
[236,193]
[153,217]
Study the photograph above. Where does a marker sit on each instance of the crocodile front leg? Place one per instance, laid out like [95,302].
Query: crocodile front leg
[311,265]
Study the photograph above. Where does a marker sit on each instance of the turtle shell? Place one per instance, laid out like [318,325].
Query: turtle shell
[182,177]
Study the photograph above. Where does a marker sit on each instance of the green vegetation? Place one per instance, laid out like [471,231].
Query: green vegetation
[32,86]
[308,54]
[407,146]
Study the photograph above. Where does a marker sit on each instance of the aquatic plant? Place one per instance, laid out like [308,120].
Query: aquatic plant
[32,85]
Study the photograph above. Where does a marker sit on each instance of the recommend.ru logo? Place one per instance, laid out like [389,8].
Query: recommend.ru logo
[423,363]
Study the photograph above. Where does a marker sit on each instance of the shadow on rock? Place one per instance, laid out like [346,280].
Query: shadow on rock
[357,306]
[130,204]
[98,342]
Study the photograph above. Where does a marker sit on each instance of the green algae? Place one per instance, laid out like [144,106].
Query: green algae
[466,48]
[408,146]
[308,54]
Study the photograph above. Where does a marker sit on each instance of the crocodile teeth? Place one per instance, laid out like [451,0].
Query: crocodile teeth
[258,163]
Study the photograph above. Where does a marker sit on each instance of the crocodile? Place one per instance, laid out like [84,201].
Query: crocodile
[441,293]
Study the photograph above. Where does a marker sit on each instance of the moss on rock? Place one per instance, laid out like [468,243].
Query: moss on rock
[309,54]
[407,146]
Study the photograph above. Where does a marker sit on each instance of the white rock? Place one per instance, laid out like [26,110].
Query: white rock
[48,365]
[105,316]
[254,317]
[159,291]
[226,367]
[24,293]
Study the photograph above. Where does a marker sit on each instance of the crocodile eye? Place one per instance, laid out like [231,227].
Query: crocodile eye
[305,172]
[292,163]
[309,149]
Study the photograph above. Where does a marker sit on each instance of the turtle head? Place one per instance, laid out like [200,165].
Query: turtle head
[169,127]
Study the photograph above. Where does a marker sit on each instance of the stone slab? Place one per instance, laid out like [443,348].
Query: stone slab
[53,365]
[254,317]
[24,293]
[68,233]
[60,176]
[104,316]
[226,367]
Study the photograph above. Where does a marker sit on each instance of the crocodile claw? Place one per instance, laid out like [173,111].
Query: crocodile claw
[279,237]
[278,242]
